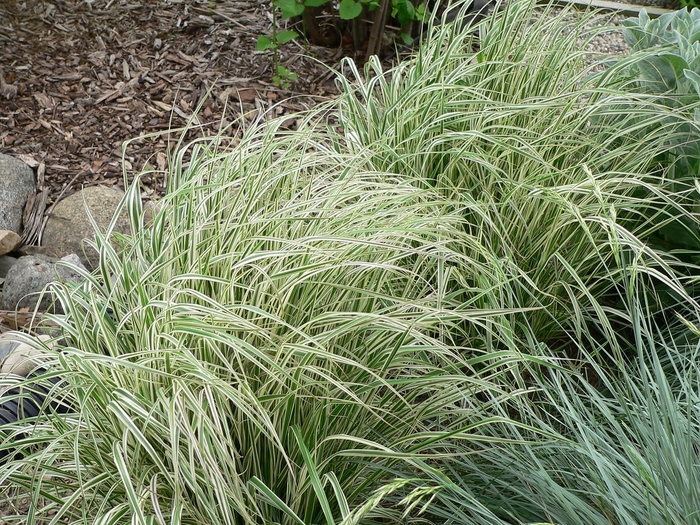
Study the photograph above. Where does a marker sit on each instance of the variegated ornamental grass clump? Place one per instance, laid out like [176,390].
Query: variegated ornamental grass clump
[438,305]
[542,158]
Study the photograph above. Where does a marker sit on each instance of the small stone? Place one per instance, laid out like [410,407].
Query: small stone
[69,225]
[8,241]
[157,44]
[17,185]
[27,281]
[74,260]
[18,357]
[6,347]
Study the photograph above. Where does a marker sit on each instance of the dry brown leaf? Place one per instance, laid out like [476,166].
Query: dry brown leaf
[245,95]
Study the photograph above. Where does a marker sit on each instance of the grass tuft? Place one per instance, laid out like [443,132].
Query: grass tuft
[443,303]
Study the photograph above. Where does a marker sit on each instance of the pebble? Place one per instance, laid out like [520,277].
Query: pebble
[609,41]
[612,41]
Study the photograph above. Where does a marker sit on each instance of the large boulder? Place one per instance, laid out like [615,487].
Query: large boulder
[30,275]
[69,224]
[16,185]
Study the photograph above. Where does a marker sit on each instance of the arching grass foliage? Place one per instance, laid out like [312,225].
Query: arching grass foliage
[435,302]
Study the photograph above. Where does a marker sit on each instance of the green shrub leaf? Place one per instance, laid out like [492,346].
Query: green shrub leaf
[407,39]
[349,9]
[290,8]
[286,36]
[264,43]
[404,11]
[286,73]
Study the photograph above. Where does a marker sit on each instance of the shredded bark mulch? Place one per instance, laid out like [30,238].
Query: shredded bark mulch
[79,79]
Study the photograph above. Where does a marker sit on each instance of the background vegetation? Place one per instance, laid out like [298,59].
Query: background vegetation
[360,25]
[450,297]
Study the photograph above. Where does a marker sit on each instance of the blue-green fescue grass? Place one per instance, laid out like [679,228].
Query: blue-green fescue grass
[389,317]
[628,441]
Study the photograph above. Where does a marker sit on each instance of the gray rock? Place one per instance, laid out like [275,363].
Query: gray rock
[16,185]
[29,276]
[69,224]
[6,262]
[7,347]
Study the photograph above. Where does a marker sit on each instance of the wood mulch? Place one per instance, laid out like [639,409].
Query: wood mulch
[79,79]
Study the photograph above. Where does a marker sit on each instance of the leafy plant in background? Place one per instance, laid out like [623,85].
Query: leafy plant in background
[282,76]
[665,63]
[351,11]
[672,42]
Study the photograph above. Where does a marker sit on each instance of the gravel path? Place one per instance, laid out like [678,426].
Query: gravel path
[611,42]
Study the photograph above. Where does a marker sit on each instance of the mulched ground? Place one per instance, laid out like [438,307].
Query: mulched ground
[80,78]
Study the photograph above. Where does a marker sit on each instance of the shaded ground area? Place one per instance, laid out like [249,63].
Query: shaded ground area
[78,78]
